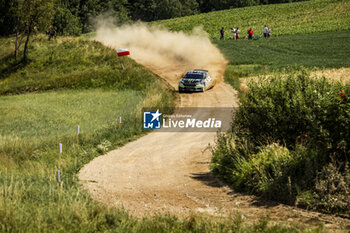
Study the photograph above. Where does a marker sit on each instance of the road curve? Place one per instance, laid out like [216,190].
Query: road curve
[169,172]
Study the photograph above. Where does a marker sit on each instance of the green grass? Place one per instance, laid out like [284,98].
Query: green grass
[284,19]
[73,63]
[325,50]
[320,50]
[41,103]
[57,113]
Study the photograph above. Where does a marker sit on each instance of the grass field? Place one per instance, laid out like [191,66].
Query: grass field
[284,19]
[318,51]
[73,81]
[72,63]
[40,105]
[57,113]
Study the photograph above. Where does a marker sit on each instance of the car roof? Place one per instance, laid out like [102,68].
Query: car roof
[197,71]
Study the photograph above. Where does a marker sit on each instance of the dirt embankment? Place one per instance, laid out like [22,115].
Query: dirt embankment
[168,172]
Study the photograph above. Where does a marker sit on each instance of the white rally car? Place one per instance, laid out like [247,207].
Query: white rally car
[195,80]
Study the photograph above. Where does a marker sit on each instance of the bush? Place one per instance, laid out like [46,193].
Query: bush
[331,193]
[311,118]
[296,109]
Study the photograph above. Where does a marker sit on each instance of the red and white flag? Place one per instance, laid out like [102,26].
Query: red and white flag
[123,52]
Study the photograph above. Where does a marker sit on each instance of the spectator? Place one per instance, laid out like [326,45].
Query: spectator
[265,31]
[269,33]
[250,34]
[233,30]
[237,33]
[222,33]
[52,32]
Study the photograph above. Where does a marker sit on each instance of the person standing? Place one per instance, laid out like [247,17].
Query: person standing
[250,34]
[266,31]
[233,30]
[237,33]
[222,33]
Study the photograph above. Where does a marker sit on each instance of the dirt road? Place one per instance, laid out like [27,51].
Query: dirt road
[169,171]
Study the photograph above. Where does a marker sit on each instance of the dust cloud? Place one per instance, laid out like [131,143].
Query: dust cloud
[168,54]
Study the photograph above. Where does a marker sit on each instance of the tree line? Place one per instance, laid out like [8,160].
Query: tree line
[73,17]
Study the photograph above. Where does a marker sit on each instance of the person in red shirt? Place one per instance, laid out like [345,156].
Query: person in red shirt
[250,34]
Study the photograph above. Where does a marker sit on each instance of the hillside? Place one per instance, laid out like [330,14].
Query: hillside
[284,19]
[74,81]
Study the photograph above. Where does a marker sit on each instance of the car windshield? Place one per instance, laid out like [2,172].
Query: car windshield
[194,76]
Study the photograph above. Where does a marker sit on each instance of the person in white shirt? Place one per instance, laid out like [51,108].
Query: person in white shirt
[233,30]
[266,31]
[237,33]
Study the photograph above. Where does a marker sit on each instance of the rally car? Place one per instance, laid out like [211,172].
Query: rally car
[195,80]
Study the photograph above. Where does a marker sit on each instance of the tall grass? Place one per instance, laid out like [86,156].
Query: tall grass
[71,63]
[288,130]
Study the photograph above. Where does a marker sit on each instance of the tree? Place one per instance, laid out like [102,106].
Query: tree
[31,15]
[7,18]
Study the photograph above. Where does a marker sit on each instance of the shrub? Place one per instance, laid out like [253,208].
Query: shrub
[311,118]
[296,109]
[331,193]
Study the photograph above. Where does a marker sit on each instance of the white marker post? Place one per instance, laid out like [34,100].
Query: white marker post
[58,176]
[60,148]
[78,132]
[120,120]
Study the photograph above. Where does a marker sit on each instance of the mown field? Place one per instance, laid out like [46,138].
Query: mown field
[318,51]
[284,19]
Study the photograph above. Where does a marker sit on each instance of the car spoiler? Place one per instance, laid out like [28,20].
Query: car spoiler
[206,71]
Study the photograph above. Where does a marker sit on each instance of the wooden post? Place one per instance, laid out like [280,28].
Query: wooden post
[121,62]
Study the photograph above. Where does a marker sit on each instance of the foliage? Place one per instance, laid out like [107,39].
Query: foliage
[310,117]
[30,15]
[299,109]
[332,190]
[66,23]
[284,19]
[75,17]
[149,10]
[68,63]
